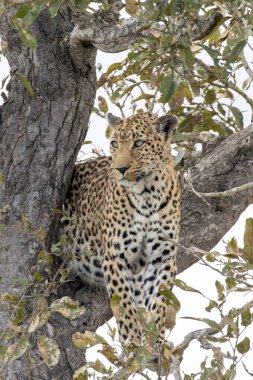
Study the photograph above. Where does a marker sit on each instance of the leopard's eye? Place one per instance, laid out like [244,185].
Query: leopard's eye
[138,143]
[114,144]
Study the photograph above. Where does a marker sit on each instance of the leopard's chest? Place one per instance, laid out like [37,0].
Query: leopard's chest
[137,239]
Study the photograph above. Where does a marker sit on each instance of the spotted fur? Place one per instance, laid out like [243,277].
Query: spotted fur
[122,208]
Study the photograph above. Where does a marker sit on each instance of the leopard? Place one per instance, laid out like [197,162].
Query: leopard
[123,214]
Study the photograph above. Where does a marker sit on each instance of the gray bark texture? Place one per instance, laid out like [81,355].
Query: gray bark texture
[40,137]
[39,140]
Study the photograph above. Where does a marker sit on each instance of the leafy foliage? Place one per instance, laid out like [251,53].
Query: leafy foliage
[194,79]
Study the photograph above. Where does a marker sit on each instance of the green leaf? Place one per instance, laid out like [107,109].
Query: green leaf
[188,58]
[11,298]
[230,283]
[39,320]
[109,353]
[25,83]
[182,285]
[168,88]
[113,67]
[248,233]
[212,338]
[37,276]
[27,14]
[220,289]
[116,95]
[81,373]
[234,53]
[23,10]
[84,340]
[210,257]
[230,374]
[237,116]
[221,109]
[102,104]
[49,350]
[131,7]
[67,307]
[82,4]
[99,367]
[232,247]
[209,322]
[210,96]
[246,315]
[243,346]
[248,241]
[214,54]
[143,97]
[170,298]
[15,351]
[54,7]
[212,304]
[19,315]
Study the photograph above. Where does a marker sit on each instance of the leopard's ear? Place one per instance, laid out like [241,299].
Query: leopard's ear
[114,122]
[166,125]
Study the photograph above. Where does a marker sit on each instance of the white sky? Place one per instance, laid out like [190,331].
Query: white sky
[197,276]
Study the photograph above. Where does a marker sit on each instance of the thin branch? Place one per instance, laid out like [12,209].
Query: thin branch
[225,83]
[188,178]
[221,194]
[202,333]
[199,254]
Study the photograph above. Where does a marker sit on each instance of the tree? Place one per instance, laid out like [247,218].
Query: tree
[51,48]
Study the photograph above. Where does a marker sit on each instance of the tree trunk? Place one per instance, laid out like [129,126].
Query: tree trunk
[40,137]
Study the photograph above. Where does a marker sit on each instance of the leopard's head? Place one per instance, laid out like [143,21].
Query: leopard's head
[140,145]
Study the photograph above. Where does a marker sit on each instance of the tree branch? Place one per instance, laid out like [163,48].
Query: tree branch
[109,34]
[225,163]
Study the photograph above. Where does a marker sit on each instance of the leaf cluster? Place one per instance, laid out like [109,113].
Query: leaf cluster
[196,80]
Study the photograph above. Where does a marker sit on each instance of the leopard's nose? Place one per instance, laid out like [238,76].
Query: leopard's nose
[122,170]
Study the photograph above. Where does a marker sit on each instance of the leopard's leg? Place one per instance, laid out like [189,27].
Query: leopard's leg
[160,271]
[119,283]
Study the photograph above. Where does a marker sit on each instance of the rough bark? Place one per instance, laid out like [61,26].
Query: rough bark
[224,164]
[40,137]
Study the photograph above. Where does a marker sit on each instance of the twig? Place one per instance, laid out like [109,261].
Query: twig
[199,253]
[200,334]
[225,83]
[188,178]
[221,194]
